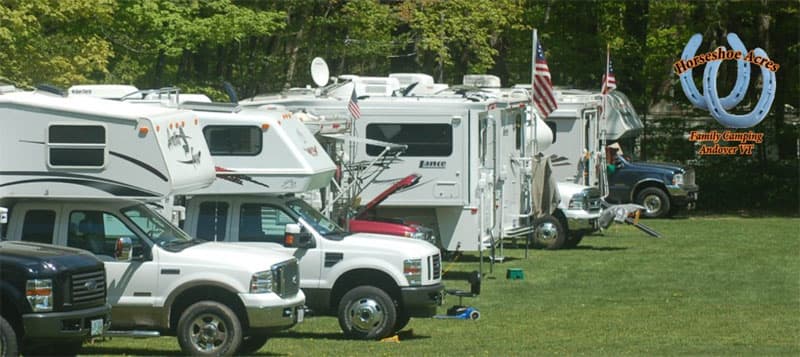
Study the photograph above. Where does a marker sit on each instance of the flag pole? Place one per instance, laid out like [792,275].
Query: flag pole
[535,48]
[604,189]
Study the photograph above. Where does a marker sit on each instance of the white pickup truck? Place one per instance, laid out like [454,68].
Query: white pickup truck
[577,215]
[373,283]
[218,299]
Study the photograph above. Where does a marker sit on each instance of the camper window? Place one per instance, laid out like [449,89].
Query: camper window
[422,139]
[212,221]
[76,145]
[38,226]
[233,140]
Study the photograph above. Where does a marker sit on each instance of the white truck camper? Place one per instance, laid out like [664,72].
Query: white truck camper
[373,283]
[453,143]
[75,172]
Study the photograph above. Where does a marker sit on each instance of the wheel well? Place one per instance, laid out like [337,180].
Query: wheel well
[646,184]
[10,312]
[559,215]
[202,293]
[358,277]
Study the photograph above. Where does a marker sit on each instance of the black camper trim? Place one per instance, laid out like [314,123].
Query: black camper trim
[141,164]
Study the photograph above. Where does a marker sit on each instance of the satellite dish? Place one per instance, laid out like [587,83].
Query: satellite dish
[319,71]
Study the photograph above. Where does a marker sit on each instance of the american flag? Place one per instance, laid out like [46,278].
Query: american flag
[543,96]
[352,105]
[609,81]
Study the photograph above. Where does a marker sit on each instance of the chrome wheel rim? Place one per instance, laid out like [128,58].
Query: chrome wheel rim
[208,333]
[366,314]
[652,204]
[546,232]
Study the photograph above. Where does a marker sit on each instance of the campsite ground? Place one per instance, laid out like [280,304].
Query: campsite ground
[712,286]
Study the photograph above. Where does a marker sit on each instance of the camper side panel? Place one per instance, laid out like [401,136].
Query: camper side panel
[67,154]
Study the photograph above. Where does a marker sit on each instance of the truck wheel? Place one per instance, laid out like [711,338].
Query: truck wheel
[573,239]
[549,233]
[402,320]
[655,202]
[8,339]
[208,328]
[251,344]
[367,313]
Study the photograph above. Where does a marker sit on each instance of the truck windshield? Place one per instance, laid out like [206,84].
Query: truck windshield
[322,224]
[158,229]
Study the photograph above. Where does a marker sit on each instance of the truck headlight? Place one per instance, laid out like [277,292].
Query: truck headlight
[40,294]
[677,179]
[412,269]
[416,235]
[578,201]
[261,282]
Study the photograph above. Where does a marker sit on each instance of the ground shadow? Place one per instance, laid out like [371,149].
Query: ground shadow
[599,249]
[128,351]
[405,335]
[463,258]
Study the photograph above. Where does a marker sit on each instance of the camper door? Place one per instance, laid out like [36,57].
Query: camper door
[487,161]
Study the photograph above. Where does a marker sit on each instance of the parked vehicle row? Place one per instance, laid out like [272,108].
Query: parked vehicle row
[92,171]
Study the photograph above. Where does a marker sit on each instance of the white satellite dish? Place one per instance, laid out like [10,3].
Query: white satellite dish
[319,71]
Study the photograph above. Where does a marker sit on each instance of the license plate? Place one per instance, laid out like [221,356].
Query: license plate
[97,327]
[300,314]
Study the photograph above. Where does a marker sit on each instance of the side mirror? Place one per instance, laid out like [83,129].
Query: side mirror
[122,251]
[295,236]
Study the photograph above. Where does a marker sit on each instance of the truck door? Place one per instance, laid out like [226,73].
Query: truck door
[132,282]
[266,223]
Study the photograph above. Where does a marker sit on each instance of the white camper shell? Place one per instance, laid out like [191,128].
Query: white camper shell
[93,148]
[266,151]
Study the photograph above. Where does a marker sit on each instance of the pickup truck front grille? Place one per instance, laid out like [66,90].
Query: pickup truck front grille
[593,200]
[688,177]
[286,278]
[437,266]
[88,288]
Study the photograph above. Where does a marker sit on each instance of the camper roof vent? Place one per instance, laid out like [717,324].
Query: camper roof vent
[481,80]
[49,88]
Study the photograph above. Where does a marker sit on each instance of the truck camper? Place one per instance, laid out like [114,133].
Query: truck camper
[89,166]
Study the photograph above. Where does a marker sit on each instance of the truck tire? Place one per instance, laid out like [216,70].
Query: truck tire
[209,328]
[655,201]
[251,344]
[8,339]
[549,233]
[573,239]
[367,313]
[402,320]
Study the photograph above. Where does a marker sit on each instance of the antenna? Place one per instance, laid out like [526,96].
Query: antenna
[320,72]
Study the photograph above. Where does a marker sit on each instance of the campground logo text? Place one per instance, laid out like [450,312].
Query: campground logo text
[709,99]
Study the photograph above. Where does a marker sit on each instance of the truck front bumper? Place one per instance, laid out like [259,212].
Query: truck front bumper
[581,220]
[683,195]
[270,312]
[421,301]
[74,325]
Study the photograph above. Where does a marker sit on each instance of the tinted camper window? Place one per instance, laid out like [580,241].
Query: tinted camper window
[233,140]
[76,145]
[422,139]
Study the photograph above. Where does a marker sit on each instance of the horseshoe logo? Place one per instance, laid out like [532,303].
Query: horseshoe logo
[711,101]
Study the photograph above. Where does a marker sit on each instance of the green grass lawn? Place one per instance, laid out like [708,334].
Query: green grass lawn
[712,286]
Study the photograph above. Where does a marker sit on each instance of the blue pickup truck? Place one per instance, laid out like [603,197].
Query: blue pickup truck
[662,189]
